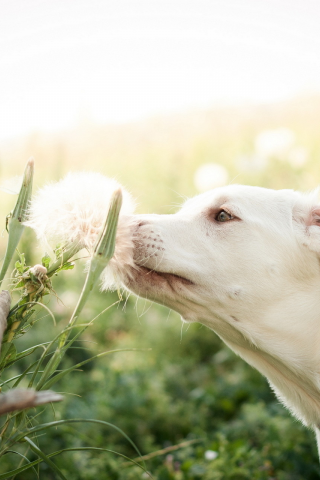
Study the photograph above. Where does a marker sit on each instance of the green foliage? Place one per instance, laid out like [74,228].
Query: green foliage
[45,260]
[20,264]
[189,387]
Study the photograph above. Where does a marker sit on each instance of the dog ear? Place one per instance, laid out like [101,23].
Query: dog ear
[308,220]
[314,218]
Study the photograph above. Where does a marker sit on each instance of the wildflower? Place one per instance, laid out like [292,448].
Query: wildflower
[73,212]
[298,157]
[251,163]
[210,175]
[274,143]
[210,455]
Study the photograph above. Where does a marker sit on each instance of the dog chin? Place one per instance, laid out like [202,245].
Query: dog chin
[161,287]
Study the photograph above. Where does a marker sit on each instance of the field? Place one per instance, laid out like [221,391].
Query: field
[177,385]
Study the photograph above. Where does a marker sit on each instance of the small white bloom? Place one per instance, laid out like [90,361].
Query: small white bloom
[298,157]
[251,163]
[74,210]
[274,143]
[210,455]
[210,175]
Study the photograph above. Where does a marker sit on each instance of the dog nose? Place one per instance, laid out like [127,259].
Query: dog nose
[142,223]
[146,219]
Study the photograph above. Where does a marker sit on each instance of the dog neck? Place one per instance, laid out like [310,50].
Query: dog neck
[286,350]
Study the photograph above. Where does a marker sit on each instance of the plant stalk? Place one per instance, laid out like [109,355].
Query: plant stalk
[103,252]
[19,215]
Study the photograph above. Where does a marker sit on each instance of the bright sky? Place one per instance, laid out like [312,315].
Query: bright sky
[121,60]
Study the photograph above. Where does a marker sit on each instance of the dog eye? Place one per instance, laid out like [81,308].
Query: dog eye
[223,216]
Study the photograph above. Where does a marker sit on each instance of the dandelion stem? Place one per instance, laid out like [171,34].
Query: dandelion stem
[18,216]
[103,252]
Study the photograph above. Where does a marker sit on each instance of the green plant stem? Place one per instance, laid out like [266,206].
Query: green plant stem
[15,233]
[97,265]
[19,215]
[103,252]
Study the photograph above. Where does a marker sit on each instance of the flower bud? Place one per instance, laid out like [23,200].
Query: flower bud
[18,216]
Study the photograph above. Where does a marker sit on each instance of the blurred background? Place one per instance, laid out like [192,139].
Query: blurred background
[171,98]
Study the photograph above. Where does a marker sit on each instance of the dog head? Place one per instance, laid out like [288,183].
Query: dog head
[245,262]
[233,250]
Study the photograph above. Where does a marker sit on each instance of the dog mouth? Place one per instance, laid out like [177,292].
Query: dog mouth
[171,278]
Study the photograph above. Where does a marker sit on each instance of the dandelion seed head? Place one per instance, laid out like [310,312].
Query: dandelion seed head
[74,210]
[274,143]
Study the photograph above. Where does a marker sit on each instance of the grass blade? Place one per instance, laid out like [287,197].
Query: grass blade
[3,476]
[26,459]
[60,375]
[45,458]
[20,435]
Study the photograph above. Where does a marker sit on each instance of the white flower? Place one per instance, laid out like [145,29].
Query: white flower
[251,163]
[274,143]
[210,175]
[74,210]
[210,455]
[298,157]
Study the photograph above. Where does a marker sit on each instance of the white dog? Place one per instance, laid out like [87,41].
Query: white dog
[244,261]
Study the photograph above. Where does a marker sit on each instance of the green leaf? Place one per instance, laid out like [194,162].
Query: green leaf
[66,266]
[58,250]
[45,260]
[21,355]
[27,371]
[47,371]
[22,259]
[20,284]
[19,266]
[45,458]
[8,353]
[26,459]
[60,375]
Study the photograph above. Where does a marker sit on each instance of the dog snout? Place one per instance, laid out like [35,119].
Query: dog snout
[149,244]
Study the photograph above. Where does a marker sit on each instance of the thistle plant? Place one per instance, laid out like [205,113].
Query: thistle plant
[66,219]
